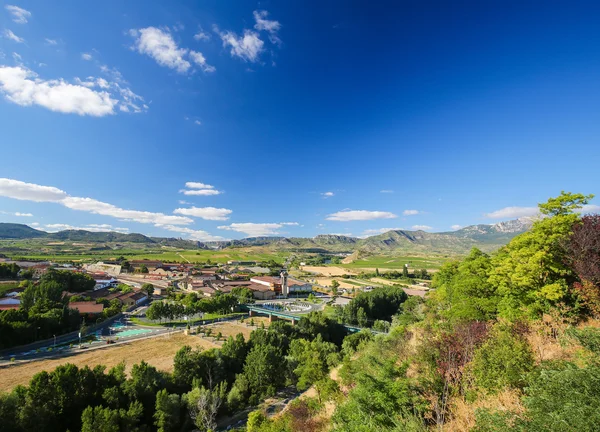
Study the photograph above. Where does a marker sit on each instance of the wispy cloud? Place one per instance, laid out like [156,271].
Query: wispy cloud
[360,215]
[456,227]
[18,214]
[8,34]
[192,234]
[371,232]
[389,191]
[512,213]
[198,122]
[327,194]
[257,229]
[19,15]
[160,45]
[421,227]
[51,41]
[247,47]
[91,227]
[208,213]
[86,56]
[19,190]
[410,212]
[199,59]
[270,26]
[202,35]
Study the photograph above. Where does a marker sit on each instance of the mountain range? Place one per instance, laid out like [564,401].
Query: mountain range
[485,237]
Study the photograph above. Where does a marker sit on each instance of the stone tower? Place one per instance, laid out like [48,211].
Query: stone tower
[284,283]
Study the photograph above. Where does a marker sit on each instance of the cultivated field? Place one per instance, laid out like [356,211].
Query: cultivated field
[327,270]
[387,262]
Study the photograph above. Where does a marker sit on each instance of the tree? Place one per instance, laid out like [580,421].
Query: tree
[168,412]
[264,370]
[203,405]
[583,256]
[405,271]
[143,268]
[148,288]
[531,273]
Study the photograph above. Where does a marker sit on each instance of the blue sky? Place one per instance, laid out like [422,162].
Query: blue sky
[213,119]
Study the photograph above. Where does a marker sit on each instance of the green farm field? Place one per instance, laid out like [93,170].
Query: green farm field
[396,262]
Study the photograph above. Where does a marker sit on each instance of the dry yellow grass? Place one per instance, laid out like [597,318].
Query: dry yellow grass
[463,413]
[158,351]
[327,271]
[233,328]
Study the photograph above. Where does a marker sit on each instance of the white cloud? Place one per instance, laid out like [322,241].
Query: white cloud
[98,207]
[184,202]
[327,194]
[23,87]
[19,15]
[8,34]
[199,189]
[160,45]
[208,213]
[198,185]
[257,229]
[247,47]
[421,227]
[512,213]
[32,192]
[200,192]
[263,24]
[201,35]
[17,57]
[51,41]
[16,214]
[359,215]
[198,122]
[371,232]
[410,212]
[35,224]
[386,191]
[456,227]
[199,59]
[192,234]
[91,227]
[589,208]
[86,56]
[29,191]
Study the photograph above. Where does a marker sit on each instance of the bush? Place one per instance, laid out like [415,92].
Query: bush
[503,360]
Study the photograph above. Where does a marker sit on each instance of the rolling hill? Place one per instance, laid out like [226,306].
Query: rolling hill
[485,237]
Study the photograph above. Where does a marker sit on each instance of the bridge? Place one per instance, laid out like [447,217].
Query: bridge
[274,315]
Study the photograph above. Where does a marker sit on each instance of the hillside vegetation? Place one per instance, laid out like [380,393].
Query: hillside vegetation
[507,342]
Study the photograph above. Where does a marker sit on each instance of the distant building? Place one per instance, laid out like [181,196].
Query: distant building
[276,284]
[87,307]
[101,267]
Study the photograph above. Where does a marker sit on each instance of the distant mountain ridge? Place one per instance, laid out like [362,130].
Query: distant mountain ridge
[485,237]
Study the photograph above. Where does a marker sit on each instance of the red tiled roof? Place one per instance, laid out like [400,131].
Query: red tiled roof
[87,307]
[8,306]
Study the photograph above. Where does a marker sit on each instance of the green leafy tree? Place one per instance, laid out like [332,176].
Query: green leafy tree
[168,412]
[148,288]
